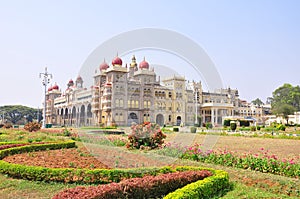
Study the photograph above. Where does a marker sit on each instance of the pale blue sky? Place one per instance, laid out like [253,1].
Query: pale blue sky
[255,45]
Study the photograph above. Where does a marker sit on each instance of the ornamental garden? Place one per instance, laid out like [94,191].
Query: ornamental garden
[147,161]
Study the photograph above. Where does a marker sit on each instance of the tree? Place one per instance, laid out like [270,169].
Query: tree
[287,94]
[286,100]
[18,114]
[285,110]
[257,101]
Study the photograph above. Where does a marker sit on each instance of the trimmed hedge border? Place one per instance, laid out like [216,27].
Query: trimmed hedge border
[146,187]
[206,188]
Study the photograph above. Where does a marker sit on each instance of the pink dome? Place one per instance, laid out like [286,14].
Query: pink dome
[50,88]
[104,65]
[144,64]
[55,87]
[71,81]
[117,61]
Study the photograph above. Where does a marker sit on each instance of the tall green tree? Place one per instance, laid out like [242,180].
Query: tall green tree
[18,114]
[286,100]
[257,101]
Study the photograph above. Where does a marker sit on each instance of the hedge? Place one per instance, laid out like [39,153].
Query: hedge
[146,187]
[36,147]
[206,188]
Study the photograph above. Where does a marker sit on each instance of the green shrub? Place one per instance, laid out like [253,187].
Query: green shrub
[175,129]
[226,123]
[193,129]
[258,128]
[206,188]
[253,128]
[280,127]
[244,123]
[233,126]
[208,125]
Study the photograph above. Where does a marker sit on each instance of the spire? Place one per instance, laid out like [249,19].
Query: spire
[133,61]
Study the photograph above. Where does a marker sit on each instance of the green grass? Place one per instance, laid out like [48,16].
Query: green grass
[242,191]
[21,189]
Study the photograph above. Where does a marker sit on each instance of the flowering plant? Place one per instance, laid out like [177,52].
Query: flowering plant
[146,135]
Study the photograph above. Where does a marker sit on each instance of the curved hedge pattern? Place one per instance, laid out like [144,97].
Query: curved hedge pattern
[200,189]
[205,188]
[146,187]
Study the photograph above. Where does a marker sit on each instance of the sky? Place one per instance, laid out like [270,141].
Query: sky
[255,45]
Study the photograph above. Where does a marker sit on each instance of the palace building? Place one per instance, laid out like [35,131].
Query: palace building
[122,94]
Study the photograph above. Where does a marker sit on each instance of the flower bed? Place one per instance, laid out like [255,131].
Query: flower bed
[146,187]
[262,162]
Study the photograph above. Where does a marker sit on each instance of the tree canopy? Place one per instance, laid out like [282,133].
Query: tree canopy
[286,100]
[257,101]
[18,114]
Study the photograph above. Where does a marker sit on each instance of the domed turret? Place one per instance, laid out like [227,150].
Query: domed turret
[144,64]
[117,61]
[55,87]
[104,65]
[70,83]
[50,88]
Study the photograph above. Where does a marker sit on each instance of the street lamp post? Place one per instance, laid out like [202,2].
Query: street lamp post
[45,81]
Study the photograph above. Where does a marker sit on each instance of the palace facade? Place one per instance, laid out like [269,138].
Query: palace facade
[123,94]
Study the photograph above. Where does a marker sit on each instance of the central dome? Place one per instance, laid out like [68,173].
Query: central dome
[117,61]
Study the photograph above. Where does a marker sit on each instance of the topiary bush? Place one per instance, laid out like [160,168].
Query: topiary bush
[145,136]
[253,128]
[233,126]
[226,123]
[32,126]
[193,129]
[176,129]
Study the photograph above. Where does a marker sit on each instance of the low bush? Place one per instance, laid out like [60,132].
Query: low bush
[208,125]
[253,128]
[258,128]
[36,147]
[7,125]
[244,129]
[233,126]
[244,123]
[146,187]
[226,123]
[193,129]
[211,186]
[32,126]
[280,127]
[175,129]
[147,135]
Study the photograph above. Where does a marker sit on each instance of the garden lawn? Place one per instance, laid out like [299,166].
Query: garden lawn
[247,184]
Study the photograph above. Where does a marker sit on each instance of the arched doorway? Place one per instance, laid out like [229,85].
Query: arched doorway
[82,116]
[66,116]
[178,120]
[89,115]
[73,119]
[160,120]
[132,117]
